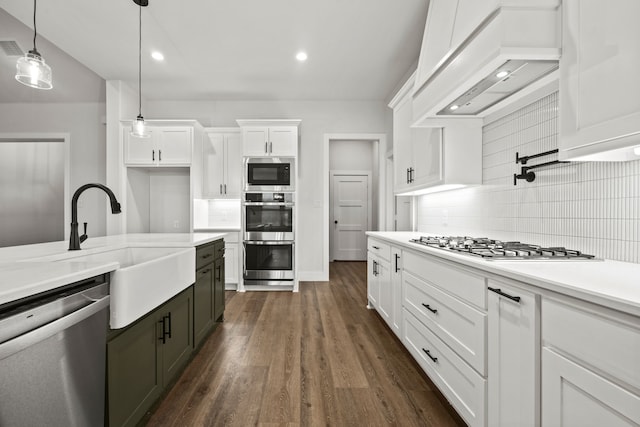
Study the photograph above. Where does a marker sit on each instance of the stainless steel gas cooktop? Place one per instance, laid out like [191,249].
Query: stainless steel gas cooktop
[496,250]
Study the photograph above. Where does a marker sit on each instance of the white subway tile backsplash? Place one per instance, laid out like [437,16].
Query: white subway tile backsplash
[590,206]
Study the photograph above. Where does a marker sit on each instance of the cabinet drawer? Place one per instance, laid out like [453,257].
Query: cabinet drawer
[205,254]
[464,388]
[460,326]
[453,279]
[604,340]
[376,247]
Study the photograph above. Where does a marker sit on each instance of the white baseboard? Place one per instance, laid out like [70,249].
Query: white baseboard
[313,276]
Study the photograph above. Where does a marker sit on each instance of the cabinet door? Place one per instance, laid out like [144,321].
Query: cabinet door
[373,287]
[134,372]
[178,344]
[385,302]
[233,165]
[402,117]
[513,346]
[396,291]
[426,151]
[231,263]
[140,151]
[218,289]
[255,141]
[213,162]
[202,303]
[174,145]
[574,396]
[283,141]
[599,85]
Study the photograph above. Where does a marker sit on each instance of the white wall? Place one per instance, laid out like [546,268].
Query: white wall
[84,123]
[591,207]
[318,118]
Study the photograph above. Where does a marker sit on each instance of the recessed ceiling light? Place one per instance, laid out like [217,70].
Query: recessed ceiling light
[454,107]
[157,56]
[502,74]
[301,56]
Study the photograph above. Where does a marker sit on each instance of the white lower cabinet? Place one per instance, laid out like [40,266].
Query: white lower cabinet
[231,260]
[575,396]
[590,366]
[462,386]
[396,291]
[513,343]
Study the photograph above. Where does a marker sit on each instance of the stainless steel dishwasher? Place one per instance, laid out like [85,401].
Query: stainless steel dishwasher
[53,357]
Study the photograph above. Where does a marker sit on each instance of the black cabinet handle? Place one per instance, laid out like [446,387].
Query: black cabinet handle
[433,310]
[266,148]
[163,337]
[376,247]
[207,256]
[408,176]
[397,258]
[160,155]
[169,318]
[225,189]
[153,155]
[499,292]
[220,188]
[219,269]
[411,170]
[435,359]
[375,268]
[203,272]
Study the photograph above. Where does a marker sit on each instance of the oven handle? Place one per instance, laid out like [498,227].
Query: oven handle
[268,204]
[269,242]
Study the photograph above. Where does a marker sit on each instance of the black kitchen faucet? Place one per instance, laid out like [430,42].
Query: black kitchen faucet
[74,239]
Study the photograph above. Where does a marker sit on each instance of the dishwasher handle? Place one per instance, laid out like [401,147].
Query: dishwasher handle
[30,338]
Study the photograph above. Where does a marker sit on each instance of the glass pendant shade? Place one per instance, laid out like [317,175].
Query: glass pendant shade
[139,128]
[32,71]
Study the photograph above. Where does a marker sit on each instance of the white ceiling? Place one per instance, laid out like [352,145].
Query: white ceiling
[223,49]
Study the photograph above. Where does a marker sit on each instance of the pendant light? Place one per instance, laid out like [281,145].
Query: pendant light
[139,129]
[31,70]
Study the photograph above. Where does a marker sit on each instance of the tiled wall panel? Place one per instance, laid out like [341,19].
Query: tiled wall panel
[593,206]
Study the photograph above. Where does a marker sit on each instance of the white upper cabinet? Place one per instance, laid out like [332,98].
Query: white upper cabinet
[599,84]
[269,138]
[167,146]
[222,163]
[436,156]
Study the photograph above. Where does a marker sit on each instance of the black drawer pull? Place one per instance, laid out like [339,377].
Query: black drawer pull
[433,310]
[163,338]
[435,359]
[499,292]
[397,258]
[203,272]
[207,256]
[375,247]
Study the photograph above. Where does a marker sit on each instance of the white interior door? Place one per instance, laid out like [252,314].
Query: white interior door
[351,216]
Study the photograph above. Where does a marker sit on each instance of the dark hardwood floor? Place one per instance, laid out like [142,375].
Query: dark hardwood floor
[317,357]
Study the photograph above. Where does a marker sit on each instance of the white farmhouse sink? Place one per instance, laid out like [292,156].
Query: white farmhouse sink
[147,277]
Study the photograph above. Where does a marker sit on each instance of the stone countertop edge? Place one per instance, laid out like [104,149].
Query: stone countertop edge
[613,284]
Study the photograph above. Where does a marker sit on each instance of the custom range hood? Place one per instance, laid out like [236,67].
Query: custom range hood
[473,63]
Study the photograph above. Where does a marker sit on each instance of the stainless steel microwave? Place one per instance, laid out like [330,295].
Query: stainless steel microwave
[269,174]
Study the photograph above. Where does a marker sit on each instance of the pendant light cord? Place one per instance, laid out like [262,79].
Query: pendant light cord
[139,61]
[35,29]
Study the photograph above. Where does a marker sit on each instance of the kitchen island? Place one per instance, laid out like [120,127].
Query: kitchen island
[514,342]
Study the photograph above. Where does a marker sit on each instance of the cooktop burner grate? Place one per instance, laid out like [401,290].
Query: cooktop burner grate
[491,249]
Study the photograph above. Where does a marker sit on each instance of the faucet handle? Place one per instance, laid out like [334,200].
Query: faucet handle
[84,236]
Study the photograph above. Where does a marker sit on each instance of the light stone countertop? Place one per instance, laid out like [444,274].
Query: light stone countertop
[613,284]
[23,274]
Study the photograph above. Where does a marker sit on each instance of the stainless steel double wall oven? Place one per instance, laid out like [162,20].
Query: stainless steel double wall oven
[268,209]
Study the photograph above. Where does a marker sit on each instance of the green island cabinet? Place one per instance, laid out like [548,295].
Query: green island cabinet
[208,289]
[145,357]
